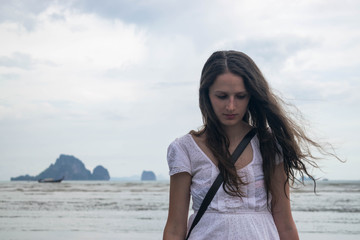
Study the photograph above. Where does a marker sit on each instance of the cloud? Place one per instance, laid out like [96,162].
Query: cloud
[271,52]
[17,60]
[138,12]
[103,79]
[24,13]
[62,62]
[86,38]
[158,15]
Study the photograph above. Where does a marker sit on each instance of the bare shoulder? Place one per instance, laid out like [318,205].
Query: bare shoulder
[200,140]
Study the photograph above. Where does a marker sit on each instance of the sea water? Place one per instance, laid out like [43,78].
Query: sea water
[138,210]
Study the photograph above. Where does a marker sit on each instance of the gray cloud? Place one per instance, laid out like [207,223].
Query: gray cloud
[272,51]
[335,84]
[22,12]
[115,109]
[57,17]
[22,61]
[165,18]
[10,76]
[132,11]
[17,60]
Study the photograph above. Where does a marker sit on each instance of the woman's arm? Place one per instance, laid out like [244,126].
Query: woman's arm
[176,225]
[281,209]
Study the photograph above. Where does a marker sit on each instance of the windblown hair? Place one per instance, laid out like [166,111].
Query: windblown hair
[265,113]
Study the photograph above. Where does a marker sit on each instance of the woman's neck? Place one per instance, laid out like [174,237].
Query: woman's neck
[237,132]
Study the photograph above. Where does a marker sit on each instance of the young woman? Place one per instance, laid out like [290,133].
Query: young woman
[254,200]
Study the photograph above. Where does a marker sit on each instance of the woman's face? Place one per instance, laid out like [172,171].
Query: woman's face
[229,99]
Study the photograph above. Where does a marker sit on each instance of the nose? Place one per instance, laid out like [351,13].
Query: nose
[230,106]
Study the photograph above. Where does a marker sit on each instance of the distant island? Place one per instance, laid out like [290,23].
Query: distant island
[69,168]
[148,176]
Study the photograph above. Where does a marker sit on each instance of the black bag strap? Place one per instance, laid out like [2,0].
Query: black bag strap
[219,179]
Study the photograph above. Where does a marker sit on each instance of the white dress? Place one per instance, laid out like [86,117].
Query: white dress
[227,217]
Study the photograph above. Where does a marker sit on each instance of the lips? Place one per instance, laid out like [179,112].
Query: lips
[230,116]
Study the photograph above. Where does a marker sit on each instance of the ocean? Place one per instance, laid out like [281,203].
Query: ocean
[138,210]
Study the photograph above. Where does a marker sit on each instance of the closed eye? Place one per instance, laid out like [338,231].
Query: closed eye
[221,96]
[242,96]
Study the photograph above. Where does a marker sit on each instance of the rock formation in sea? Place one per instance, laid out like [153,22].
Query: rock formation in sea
[69,168]
[100,173]
[148,176]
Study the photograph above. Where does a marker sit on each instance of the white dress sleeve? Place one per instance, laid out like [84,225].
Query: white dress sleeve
[178,160]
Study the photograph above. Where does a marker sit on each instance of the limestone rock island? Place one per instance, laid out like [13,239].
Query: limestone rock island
[148,176]
[69,168]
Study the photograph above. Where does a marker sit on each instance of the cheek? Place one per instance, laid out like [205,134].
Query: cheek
[244,103]
[216,104]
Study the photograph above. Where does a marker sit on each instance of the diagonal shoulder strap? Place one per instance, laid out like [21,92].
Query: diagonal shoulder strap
[219,180]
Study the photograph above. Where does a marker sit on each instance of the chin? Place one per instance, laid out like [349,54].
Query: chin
[230,124]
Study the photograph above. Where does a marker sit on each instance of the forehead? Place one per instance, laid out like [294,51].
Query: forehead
[228,82]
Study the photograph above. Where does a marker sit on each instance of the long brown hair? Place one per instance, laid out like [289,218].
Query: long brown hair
[274,126]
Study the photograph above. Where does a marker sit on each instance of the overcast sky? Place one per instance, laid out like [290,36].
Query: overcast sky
[114,82]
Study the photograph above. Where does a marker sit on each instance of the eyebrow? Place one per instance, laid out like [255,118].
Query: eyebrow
[242,92]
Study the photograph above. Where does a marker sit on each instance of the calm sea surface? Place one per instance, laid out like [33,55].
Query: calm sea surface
[138,210]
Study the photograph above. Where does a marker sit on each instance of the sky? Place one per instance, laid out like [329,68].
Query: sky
[114,82]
